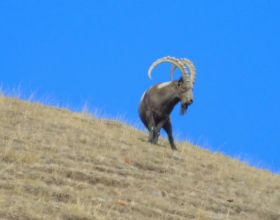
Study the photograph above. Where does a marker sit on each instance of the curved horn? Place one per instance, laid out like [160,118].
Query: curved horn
[190,66]
[172,71]
[177,62]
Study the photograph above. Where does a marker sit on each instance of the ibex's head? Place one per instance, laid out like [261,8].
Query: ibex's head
[185,84]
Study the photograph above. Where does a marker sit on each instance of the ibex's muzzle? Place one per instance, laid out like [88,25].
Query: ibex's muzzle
[185,102]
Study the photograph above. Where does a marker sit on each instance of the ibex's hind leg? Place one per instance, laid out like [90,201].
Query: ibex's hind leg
[168,128]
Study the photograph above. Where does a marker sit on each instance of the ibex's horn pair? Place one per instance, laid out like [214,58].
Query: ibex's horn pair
[176,63]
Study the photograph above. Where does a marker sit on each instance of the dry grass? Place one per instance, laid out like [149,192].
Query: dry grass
[55,164]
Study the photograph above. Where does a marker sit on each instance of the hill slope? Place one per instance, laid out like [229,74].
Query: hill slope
[56,164]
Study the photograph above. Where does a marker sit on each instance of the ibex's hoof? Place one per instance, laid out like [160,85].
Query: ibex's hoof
[151,142]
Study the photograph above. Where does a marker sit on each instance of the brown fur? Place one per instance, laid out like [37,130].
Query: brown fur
[158,102]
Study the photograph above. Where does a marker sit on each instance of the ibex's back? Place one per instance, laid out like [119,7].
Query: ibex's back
[158,102]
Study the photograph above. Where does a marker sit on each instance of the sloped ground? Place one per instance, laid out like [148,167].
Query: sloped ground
[55,164]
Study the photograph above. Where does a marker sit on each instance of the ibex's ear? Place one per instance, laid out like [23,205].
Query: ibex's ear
[180,82]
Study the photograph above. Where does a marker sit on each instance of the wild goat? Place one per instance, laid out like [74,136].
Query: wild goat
[158,102]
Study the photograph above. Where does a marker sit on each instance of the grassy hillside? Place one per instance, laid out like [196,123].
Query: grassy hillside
[55,164]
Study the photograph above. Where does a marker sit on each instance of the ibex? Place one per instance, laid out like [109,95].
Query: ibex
[158,102]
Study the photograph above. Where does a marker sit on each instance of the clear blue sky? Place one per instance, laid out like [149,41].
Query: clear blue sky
[98,52]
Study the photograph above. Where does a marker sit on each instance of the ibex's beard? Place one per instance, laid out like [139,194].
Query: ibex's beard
[184,107]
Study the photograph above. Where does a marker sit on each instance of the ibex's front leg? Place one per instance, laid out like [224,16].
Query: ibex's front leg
[151,125]
[168,128]
[153,135]
[156,129]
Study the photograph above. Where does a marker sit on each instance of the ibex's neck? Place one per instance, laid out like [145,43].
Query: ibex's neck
[171,104]
[170,97]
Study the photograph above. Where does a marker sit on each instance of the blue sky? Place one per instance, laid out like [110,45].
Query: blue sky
[98,52]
